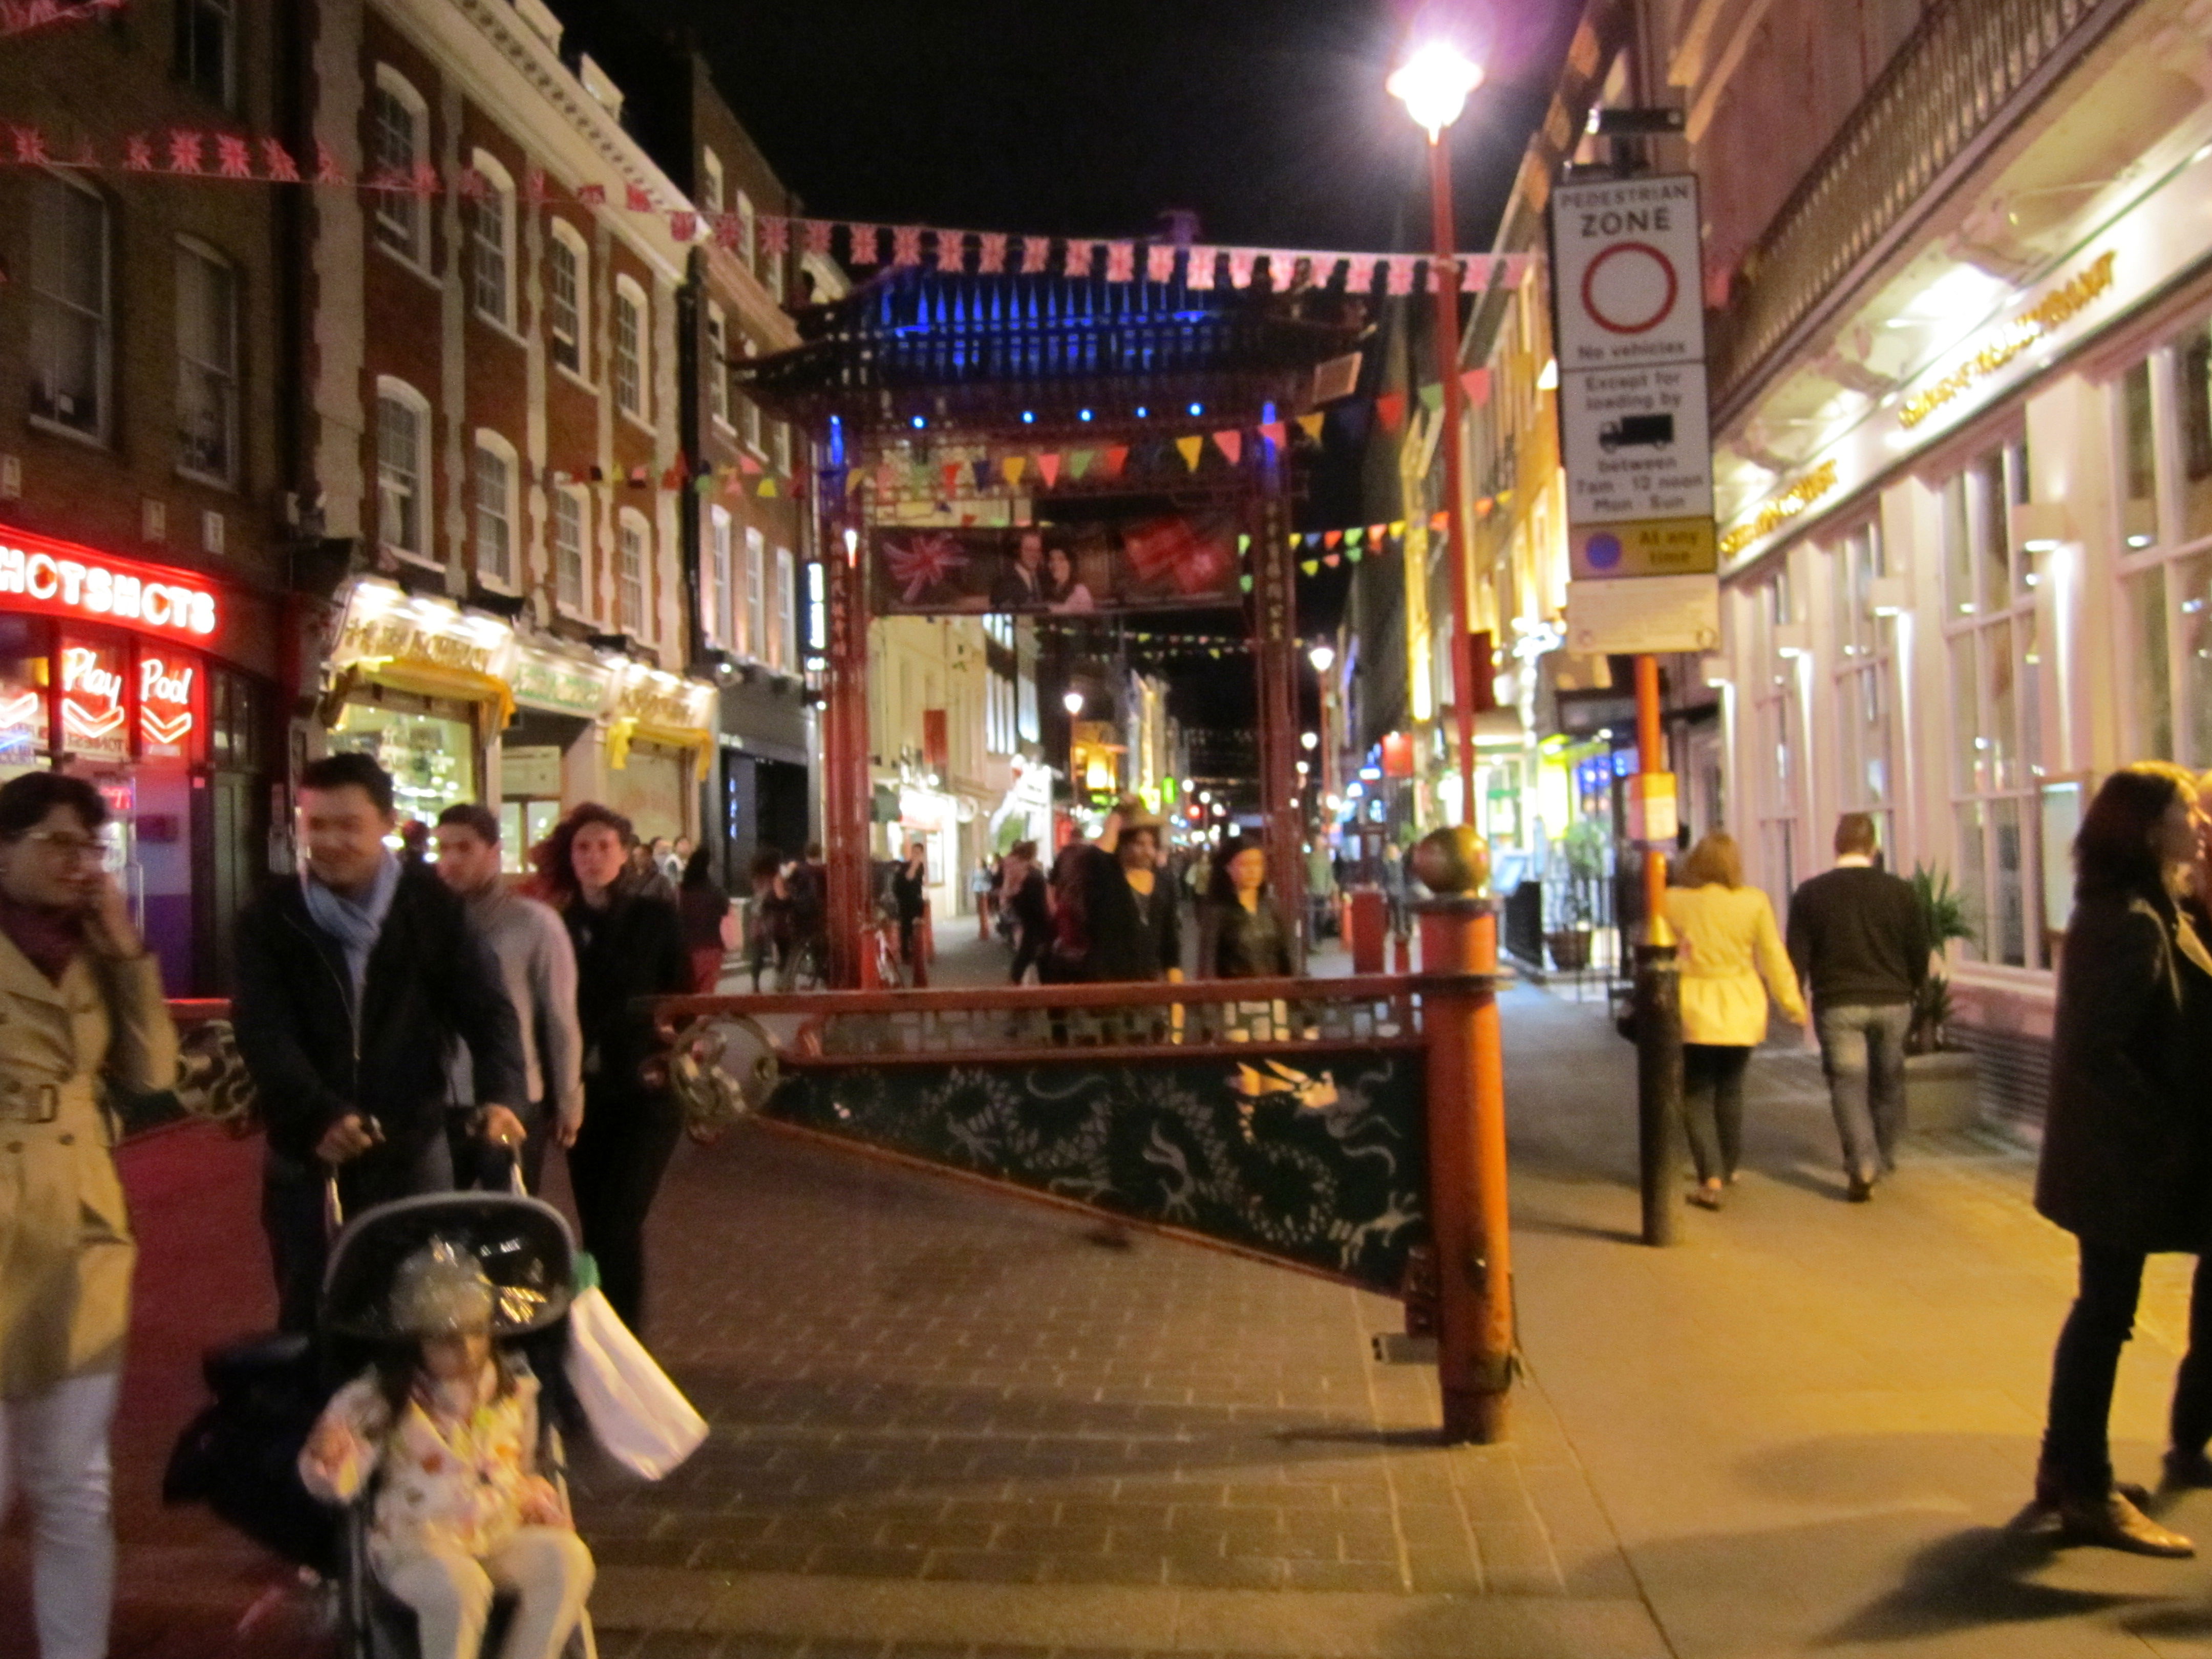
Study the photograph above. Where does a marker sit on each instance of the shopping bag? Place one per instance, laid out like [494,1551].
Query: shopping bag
[638,1417]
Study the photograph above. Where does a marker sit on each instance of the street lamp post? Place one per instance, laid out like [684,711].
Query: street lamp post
[1433,85]
[1323,657]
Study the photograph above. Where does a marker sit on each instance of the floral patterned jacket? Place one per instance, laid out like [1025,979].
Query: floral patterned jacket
[459,1467]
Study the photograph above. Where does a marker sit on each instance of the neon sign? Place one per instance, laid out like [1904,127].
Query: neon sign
[165,704]
[61,579]
[92,701]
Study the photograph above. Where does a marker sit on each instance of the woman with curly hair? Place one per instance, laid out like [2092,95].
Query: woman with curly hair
[629,943]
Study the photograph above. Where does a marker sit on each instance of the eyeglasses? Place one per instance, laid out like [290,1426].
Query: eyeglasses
[89,848]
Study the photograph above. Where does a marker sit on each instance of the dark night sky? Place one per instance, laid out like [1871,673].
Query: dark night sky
[1268,118]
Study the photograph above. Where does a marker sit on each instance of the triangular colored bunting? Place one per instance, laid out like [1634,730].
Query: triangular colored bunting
[1397,526]
[748,465]
[1231,444]
[1353,554]
[1079,463]
[1332,559]
[1310,424]
[1390,411]
[1277,433]
[951,471]
[1049,465]
[768,487]
[1188,448]
[1351,536]
[1331,537]
[1432,396]
[1374,535]
[1244,583]
[1476,383]
[1011,468]
[982,471]
[1243,543]
[1438,520]
[1117,457]
[1311,567]
[1313,539]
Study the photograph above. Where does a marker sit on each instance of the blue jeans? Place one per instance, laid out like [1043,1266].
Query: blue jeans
[1862,1051]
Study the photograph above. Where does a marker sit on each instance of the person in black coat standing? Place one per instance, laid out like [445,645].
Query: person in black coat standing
[2125,1136]
[354,978]
[629,943]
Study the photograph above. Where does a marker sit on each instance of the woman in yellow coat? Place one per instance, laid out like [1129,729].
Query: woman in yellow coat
[80,1002]
[1732,958]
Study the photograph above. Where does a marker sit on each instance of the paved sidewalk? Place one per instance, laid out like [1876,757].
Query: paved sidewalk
[950,1423]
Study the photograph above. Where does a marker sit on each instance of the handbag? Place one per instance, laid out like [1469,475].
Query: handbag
[640,1417]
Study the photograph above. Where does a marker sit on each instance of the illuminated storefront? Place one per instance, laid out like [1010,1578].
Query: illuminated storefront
[112,670]
[661,739]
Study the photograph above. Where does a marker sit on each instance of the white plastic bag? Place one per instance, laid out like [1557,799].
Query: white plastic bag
[641,1418]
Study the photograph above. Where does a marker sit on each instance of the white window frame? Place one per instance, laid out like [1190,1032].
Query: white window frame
[497,204]
[2002,775]
[756,594]
[399,219]
[226,11]
[218,369]
[787,608]
[748,413]
[509,511]
[718,366]
[781,430]
[710,181]
[69,312]
[747,246]
[390,389]
[633,574]
[1778,744]
[568,238]
[1865,683]
[631,372]
[572,567]
[2161,561]
[714,609]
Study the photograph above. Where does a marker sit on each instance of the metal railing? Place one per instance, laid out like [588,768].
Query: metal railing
[1962,78]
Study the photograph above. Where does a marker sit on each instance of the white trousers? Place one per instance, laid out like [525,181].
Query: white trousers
[54,1446]
[547,1569]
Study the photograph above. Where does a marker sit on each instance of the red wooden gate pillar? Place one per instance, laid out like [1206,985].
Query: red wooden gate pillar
[1275,653]
[847,797]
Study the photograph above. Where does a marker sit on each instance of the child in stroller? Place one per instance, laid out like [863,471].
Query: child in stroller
[440,1436]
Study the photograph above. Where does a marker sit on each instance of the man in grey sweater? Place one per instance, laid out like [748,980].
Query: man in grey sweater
[537,965]
[1859,941]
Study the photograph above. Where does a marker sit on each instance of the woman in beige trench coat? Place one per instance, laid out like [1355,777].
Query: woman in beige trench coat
[80,1003]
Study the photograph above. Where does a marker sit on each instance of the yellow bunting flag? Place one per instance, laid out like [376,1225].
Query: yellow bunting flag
[1188,448]
[1310,424]
[768,487]
[1011,468]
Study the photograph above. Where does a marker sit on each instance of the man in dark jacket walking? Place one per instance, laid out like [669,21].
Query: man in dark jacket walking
[1858,939]
[354,978]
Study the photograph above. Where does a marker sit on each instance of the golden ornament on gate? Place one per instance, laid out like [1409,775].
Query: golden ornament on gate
[1453,861]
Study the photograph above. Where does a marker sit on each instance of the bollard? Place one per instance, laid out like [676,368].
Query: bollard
[1658,1086]
[1370,912]
[1467,1207]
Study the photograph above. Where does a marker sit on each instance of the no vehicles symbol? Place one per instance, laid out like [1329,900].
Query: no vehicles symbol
[1629,288]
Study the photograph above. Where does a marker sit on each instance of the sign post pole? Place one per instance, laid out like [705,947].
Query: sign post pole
[1658,990]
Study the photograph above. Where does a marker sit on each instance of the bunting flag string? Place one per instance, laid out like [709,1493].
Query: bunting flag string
[192,153]
[21,16]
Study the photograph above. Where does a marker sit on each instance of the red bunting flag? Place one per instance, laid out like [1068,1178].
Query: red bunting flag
[30,146]
[748,465]
[1330,539]
[1437,522]
[991,252]
[1159,262]
[277,163]
[1202,260]
[683,227]
[533,184]
[1120,262]
[729,231]
[775,235]
[326,166]
[817,235]
[636,198]
[1475,382]
[1034,250]
[424,180]
[592,195]
[1231,444]
[862,240]
[1049,465]
[1401,280]
[1332,560]
[1240,267]
[233,157]
[1390,411]
[1277,433]
[906,245]
[184,150]
[950,473]
[1076,260]
[1116,456]
[137,154]
[474,185]
[1360,275]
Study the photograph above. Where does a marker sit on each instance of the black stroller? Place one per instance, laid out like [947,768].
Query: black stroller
[524,1248]
[239,1455]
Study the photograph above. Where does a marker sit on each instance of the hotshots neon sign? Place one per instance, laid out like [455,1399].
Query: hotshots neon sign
[63,580]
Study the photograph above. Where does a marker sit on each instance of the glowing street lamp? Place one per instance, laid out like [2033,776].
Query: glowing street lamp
[1433,84]
[1072,702]
[1323,656]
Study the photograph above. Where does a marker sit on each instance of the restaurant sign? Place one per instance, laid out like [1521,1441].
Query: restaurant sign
[561,684]
[385,627]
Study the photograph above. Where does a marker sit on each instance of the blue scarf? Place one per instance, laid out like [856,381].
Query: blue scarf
[353,924]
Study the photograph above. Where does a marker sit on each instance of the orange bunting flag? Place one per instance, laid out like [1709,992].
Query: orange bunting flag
[1011,468]
[1188,448]
[1437,522]
[1330,539]
[1117,455]
[1374,535]
[1231,444]
[1390,411]
[950,472]
[1310,424]
[1332,560]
